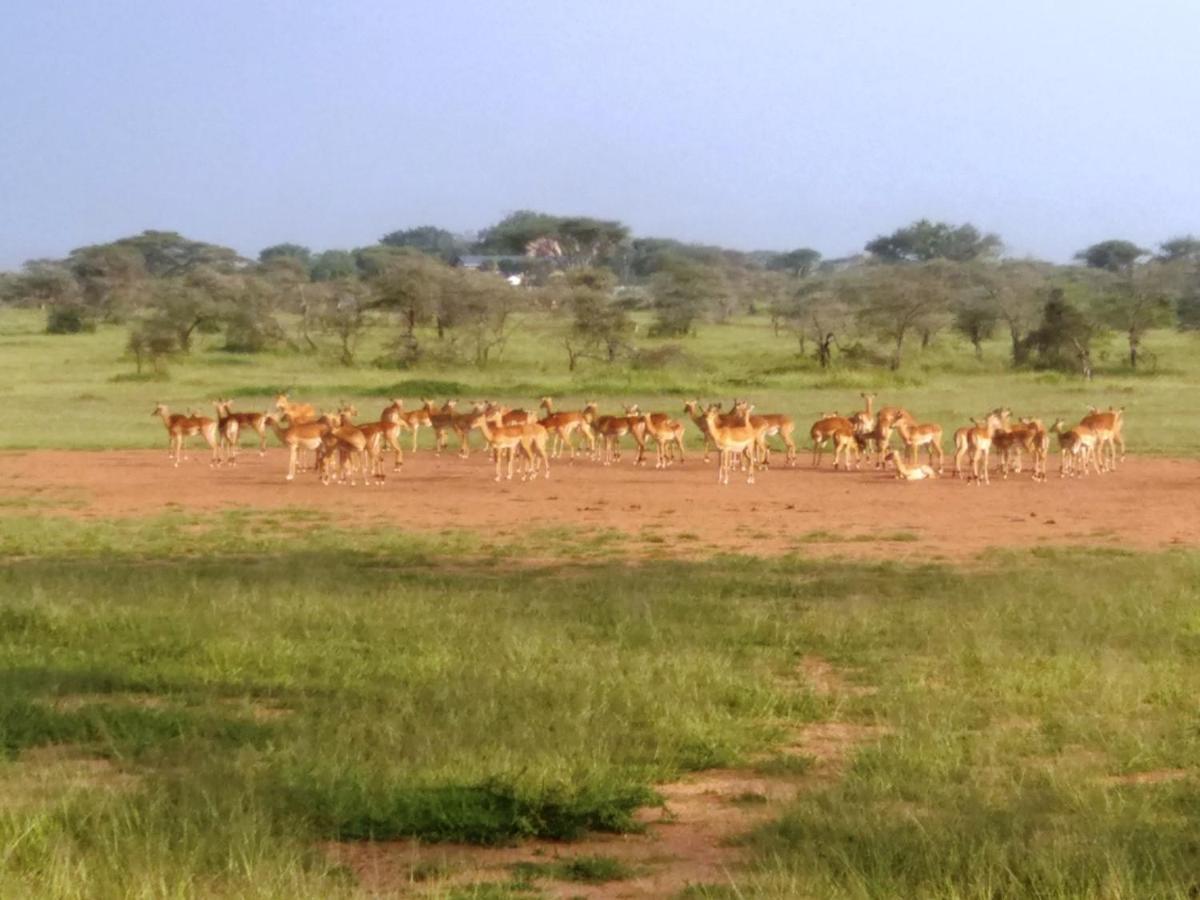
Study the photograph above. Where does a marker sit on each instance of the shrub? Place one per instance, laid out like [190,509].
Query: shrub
[69,319]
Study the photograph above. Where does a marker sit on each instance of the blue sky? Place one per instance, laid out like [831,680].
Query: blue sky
[753,125]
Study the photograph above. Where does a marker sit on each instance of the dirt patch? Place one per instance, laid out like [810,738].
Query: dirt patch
[1146,504]
[1157,776]
[692,838]
[824,680]
[41,775]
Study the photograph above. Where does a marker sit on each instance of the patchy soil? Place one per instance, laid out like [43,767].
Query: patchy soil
[41,775]
[691,839]
[1147,504]
[1156,776]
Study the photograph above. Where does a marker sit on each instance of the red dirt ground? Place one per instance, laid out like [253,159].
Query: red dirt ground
[1148,503]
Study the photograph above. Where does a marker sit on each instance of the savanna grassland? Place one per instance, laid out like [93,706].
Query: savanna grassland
[195,705]
[89,375]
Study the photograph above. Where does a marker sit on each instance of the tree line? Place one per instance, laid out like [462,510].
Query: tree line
[441,295]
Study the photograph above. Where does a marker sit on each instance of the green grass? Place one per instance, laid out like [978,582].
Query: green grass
[86,374]
[257,696]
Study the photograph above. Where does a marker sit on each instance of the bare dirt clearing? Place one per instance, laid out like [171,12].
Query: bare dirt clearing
[1148,503]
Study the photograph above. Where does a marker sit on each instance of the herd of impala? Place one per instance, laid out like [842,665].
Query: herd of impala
[345,450]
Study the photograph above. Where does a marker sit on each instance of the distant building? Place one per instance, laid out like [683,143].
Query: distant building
[494,263]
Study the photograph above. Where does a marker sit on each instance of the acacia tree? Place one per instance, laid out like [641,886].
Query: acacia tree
[408,282]
[1015,289]
[820,311]
[800,263]
[484,312]
[428,239]
[895,302]
[599,327]
[1133,297]
[975,318]
[683,291]
[1063,339]
[1136,302]
[924,240]
[345,315]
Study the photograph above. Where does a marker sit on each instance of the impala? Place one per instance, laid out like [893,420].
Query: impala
[180,428]
[1107,426]
[917,436]
[1079,444]
[979,442]
[563,425]
[505,440]
[298,436]
[839,430]
[252,420]
[768,425]
[612,428]
[393,414]
[1011,440]
[227,432]
[906,472]
[295,412]
[732,440]
[441,421]
[667,434]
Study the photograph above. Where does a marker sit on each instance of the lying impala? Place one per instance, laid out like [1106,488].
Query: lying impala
[732,441]
[840,431]
[906,472]
[563,425]
[505,440]
[180,428]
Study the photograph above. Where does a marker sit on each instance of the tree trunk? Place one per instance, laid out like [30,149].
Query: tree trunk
[978,347]
[926,336]
[1135,342]
[411,316]
[895,364]
[824,351]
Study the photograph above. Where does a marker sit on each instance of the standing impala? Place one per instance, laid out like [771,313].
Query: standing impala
[841,432]
[563,425]
[732,441]
[180,428]
[1107,426]
[979,442]
[505,440]
[917,436]
[667,435]
[299,436]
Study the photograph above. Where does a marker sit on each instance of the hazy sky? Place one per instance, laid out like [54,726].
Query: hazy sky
[755,125]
